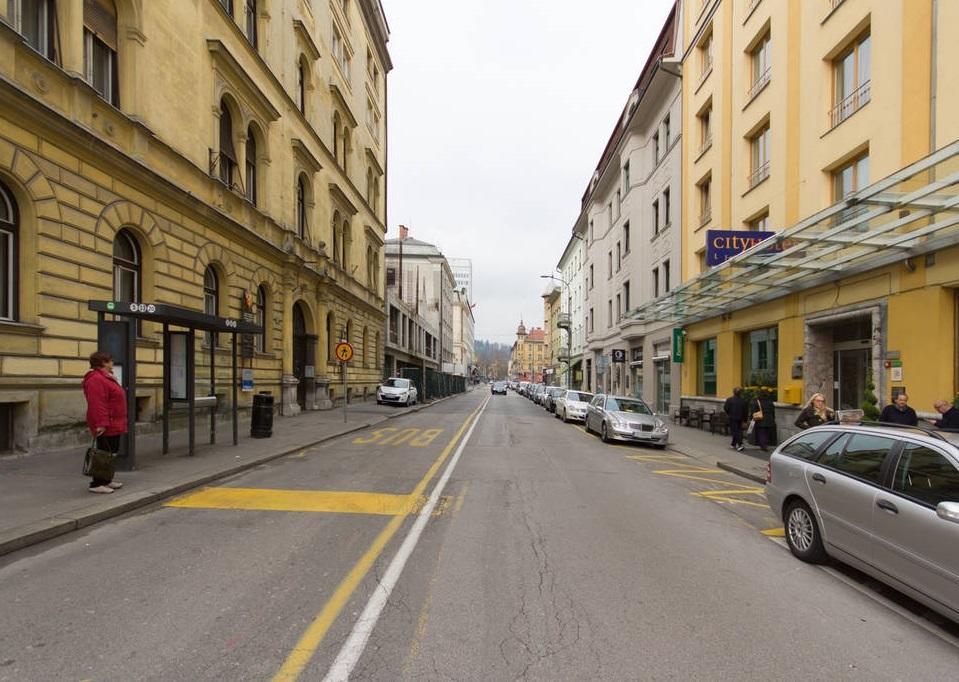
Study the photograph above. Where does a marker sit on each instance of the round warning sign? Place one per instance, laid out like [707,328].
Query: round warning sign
[343,351]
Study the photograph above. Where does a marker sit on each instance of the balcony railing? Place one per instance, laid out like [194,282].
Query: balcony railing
[562,355]
[856,100]
[562,320]
[225,169]
[761,82]
[759,175]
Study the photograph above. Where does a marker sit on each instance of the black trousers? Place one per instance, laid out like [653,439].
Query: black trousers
[111,444]
[736,429]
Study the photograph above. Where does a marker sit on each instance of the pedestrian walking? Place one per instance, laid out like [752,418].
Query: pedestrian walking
[106,412]
[950,416]
[815,412]
[762,411]
[899,412]
[736,409]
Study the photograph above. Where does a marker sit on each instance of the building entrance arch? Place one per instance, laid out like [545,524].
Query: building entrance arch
[304,354]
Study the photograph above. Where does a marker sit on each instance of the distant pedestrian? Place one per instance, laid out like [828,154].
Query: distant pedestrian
[763,412]
[899,412]
[950,416]
[815,412]
[736,409]
[106,412]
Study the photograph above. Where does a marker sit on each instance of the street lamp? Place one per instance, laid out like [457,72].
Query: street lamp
[569,329]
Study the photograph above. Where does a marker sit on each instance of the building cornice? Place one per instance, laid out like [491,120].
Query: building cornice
[224,61]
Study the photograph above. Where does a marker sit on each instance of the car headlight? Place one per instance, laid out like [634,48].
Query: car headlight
[616,421]
[659,425]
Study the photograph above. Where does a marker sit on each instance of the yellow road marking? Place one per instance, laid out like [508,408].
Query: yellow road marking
[774,532]
[264,499]
[656,458]
[392,435]
[311,639]
[375,435]
[462,497]
[400,437]
[746,491]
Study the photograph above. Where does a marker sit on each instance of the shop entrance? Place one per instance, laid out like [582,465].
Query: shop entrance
[841,351]
[663,384]
[850,368]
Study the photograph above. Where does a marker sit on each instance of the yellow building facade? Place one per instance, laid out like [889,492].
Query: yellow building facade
[221,156]
[793,108]
[553,337]
[528,355]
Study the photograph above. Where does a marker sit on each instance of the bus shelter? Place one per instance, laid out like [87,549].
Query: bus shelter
[118,334]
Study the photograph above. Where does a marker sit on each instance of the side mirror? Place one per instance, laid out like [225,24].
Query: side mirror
[948,511]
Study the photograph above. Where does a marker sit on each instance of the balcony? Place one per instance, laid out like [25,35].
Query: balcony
[563,321]
[758,175]
[856,100]
[562,355]
[761,82]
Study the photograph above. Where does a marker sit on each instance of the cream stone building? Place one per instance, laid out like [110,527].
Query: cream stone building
[463,326]
[528,356]
[572,269]
[198,154]
[831,124]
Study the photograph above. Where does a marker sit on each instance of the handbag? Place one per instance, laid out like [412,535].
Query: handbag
[98,463]
[758,414]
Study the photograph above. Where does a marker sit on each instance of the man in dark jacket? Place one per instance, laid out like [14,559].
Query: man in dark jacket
[735,409]
[950,415]
[899,412]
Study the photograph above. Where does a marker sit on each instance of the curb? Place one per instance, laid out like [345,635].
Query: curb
[756,478]
[42,530]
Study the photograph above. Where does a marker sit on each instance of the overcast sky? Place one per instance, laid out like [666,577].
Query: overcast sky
[498,113]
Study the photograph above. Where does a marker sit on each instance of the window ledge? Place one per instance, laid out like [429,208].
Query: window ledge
[756,184]
[832,10]
[146,342]
[21,328]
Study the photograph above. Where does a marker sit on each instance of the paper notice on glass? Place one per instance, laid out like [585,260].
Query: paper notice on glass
[178,366]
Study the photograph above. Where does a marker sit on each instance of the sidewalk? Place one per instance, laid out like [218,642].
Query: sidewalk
[43,495]
[714,451]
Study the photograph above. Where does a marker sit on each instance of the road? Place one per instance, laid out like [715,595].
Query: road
[548,556]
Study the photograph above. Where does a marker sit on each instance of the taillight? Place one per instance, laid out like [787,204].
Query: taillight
[769,473]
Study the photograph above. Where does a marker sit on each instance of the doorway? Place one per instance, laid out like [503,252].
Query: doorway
[300,347]
[850,369]
[663,385]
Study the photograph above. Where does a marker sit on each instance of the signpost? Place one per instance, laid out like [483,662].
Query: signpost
[344,353]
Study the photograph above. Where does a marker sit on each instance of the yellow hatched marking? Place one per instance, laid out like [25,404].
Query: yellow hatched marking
[747,491]
[263,499]
[733,500]
[656,458]
[774,532]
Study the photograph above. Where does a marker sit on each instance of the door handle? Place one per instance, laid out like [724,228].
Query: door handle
[819,478]
[888,506]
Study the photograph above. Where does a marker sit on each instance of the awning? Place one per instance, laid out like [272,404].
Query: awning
[910,213]
[176,316]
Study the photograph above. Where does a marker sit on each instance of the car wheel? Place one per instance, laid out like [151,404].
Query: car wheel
[802,533]
[586,425]
[603,434]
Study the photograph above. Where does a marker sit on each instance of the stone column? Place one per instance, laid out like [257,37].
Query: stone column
[70,26]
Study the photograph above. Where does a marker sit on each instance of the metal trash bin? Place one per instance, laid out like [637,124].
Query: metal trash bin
[261,425]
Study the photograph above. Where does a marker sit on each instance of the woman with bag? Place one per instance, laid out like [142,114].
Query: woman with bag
[106,418]
[763,414]
[815,412]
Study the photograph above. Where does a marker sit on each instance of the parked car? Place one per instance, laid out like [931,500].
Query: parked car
[523,389]
[616,417]
[880,498]
[572,405]
[396,391]
[498,387]
[550,396]
[538,393]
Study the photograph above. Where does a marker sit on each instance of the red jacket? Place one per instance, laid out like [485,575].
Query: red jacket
[106,403]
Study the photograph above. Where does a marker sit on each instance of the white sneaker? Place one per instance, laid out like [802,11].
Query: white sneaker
[115,484]
[101,489]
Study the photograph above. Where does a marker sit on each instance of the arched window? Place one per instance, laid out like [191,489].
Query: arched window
[345,239]
[100,48]
[9,255]
[369,187]
[377,353]
[211,298]
[335,237]
[336,136]
[346,147]
[251,33]
[301,86]
[301,207]
[330,336]
[127,265]
[227,159]
[369,266]
[36,22]
[348,331]
[366,347]
[251,166]
[228,6]
[260,318]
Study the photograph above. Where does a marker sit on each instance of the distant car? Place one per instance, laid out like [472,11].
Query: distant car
[538,391]
[550,396]
[881,498]
[623,418]
[396,391]
[498,387]
[572,405]
[523,389]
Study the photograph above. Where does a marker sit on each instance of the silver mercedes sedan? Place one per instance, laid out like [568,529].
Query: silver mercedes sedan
[623,418]
[880,498]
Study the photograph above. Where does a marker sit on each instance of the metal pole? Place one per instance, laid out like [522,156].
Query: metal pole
[166,388]
[213,342]
[131,378]
[343,365]
[236,417]
[191,386]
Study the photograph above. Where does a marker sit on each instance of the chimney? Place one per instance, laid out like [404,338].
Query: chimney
[404,232]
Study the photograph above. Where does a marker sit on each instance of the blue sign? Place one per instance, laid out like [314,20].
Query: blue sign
[721,245]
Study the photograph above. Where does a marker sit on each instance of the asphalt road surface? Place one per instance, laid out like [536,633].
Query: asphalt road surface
[546,555]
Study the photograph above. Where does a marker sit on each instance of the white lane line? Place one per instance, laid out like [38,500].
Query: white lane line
[355,644]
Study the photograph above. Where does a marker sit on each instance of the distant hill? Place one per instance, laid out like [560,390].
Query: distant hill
[492,358]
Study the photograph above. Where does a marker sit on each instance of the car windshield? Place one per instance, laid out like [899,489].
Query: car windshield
[577,397]
[626,405]
[397,383]
[556,391]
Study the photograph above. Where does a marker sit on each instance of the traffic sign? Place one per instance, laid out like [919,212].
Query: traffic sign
[343,351]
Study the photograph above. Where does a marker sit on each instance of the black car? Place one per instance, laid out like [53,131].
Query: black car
[498,387]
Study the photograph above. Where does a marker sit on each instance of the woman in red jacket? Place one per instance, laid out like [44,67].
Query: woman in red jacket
[106,411]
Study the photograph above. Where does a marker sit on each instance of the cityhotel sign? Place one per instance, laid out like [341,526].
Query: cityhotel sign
[721,245]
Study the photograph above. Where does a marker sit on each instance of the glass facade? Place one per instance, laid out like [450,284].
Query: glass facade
[707,367]
[760,358]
